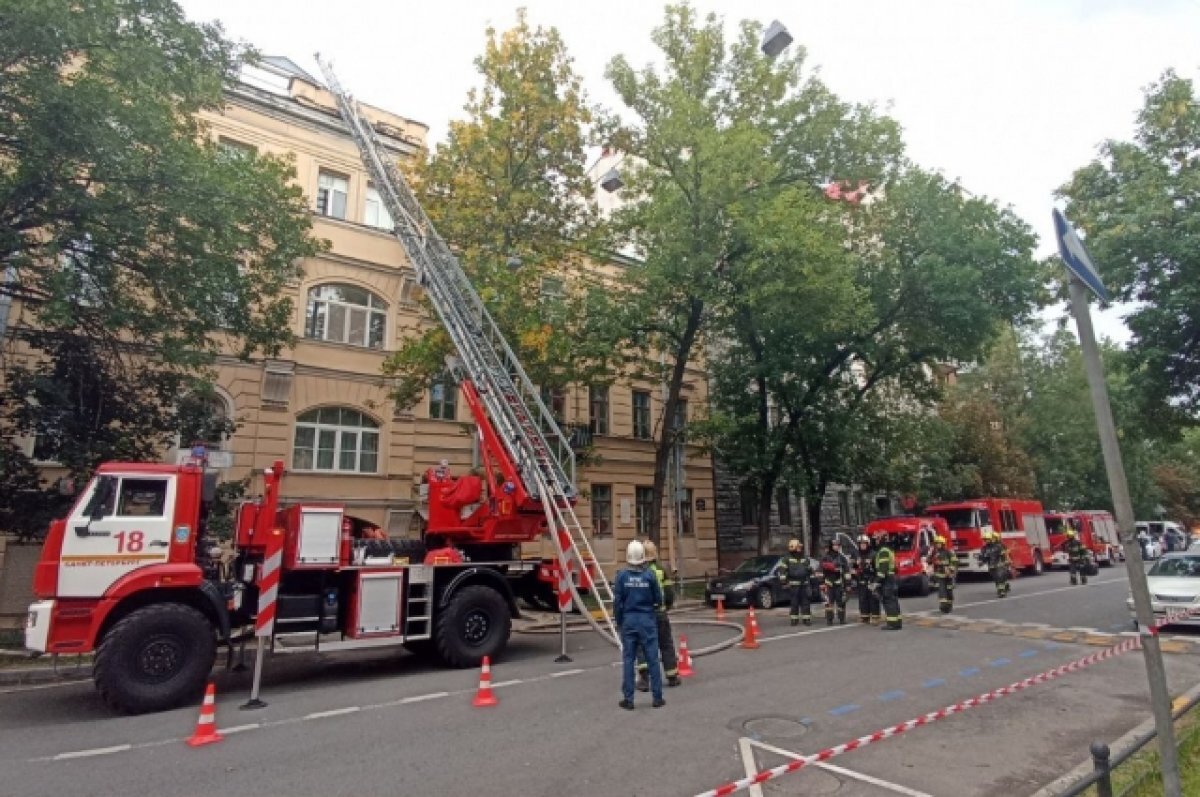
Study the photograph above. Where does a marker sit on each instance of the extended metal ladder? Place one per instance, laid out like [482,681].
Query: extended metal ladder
[526,427]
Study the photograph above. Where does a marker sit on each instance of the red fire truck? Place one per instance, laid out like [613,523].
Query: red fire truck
[133,574]
[1021,524]
[912,540]
[1097,531]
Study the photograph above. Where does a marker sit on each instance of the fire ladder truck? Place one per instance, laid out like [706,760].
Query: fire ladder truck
[132,575]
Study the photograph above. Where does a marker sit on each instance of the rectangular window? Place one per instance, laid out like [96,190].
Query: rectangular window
[598,409]
[601,510]
[641,414]
[555,399]
[843,507]
[375,214]
[643,508]
[230,149]
[749,496]
[443,399]
[684,509]
[784,499]
[332,191]
[142,498]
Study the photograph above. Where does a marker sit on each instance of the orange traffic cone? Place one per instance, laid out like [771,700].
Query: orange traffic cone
[206,726]
[484,697]
[685,659]
[750,637]
[720,608]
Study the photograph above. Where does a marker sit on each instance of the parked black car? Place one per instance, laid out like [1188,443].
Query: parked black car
[757,579]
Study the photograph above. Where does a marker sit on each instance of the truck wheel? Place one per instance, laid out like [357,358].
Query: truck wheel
[925,587]
[1038,566]
[766,598]
[155,658]
[475,623]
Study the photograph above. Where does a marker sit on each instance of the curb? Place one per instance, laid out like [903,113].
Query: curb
[41,675]
[1117,749]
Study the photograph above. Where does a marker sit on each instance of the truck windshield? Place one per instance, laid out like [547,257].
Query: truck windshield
[903,541]
[960,518]
[1056,525]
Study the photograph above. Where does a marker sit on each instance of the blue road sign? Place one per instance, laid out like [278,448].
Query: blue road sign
[1076,257]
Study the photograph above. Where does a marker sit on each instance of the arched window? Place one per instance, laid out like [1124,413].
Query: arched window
[336,439]
[345,314]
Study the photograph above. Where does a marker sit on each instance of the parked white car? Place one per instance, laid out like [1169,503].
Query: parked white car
[1174,583]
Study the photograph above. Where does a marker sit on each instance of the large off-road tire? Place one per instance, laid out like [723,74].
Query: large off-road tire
[475,623]
[413,550]
[155,658]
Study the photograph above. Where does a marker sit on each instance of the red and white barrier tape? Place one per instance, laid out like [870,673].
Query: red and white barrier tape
[762,776]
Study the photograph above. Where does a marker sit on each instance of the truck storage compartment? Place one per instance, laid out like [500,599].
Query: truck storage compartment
[376,603]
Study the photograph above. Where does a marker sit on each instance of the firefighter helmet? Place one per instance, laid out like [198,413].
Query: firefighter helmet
[939,541]
[794,545]
[863,539]
[651,550]
[635,553]
[1070,532]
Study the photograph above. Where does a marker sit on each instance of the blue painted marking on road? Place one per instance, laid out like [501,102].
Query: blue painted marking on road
[1029,654]
[846,709]
[1001,662]
[968,672]
[1051,645]
[895,694]
[932,682]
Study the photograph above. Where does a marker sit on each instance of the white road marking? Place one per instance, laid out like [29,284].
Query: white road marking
[507,683]
[35,687]
[416,699]
[1022,596]
[120,748]
[810,631]
[337,712]
[565,672]
[752,768]
[253,726]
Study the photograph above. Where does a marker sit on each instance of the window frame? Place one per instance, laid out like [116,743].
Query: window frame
[372,197]
[684,510]
[340,431]
[323,205]
[748,499]
[598,398]
[643,425]
[449,399]
[375,316]
[643,504]
[602,510]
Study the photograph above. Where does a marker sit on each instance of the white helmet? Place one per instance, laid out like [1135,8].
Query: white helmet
[635,553]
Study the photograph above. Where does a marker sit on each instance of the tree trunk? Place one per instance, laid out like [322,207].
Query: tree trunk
[767,491]
[667,431]
[816,500]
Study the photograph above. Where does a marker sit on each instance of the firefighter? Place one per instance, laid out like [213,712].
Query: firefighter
[864,574]
[666,641]
[835,570]
[885,585]
[1077,557]
[636,599]
[945,567]
[996,557]
[797,575]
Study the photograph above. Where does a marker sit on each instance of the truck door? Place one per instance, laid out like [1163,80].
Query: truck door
[123,523]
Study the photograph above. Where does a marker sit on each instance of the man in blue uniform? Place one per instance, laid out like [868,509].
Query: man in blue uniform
[637,597]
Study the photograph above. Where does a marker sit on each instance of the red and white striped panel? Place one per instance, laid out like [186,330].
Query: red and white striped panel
[268,588]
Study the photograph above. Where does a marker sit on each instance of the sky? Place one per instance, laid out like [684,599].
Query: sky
[1007,96]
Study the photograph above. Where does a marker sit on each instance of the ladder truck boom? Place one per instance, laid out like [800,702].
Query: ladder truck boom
[506,405]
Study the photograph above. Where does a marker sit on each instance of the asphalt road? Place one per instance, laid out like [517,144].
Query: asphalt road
[377,722]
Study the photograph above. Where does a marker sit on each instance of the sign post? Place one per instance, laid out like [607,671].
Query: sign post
[1084,276]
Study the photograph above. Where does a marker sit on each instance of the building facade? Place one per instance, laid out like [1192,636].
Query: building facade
[323,406]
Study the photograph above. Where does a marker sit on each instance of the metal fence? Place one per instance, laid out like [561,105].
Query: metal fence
[1104,764]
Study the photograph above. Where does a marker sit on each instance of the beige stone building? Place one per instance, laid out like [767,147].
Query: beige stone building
[323,406]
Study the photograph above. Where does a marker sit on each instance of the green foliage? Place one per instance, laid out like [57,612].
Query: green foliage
[136,248]
[1138,204]
[509,190]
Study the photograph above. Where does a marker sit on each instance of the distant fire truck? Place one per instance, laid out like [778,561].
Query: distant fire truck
[1021,524]
[1096,529]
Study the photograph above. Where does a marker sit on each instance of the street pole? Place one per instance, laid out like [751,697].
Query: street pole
[1160,697]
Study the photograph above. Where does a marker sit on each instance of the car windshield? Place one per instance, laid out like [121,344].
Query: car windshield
[962,518]
[757,565]
[1180,566]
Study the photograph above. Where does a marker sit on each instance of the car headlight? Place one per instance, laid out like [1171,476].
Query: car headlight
[745,585]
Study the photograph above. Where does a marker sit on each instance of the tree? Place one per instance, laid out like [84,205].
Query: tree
[718,141]
[1138,202]
[137,248]
[509,191]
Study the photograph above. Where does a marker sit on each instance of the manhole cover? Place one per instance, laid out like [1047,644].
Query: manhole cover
[774,728]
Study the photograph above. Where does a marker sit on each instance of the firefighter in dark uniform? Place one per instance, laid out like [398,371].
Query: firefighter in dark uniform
[798,574]
[835,571]
[885,584]
[666,642]
[636,597]
[864,575]
[945,567]
[998,562]
[1077,557]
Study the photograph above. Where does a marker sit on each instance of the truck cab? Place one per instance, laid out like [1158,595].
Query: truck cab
[912,539]
[1021,524]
